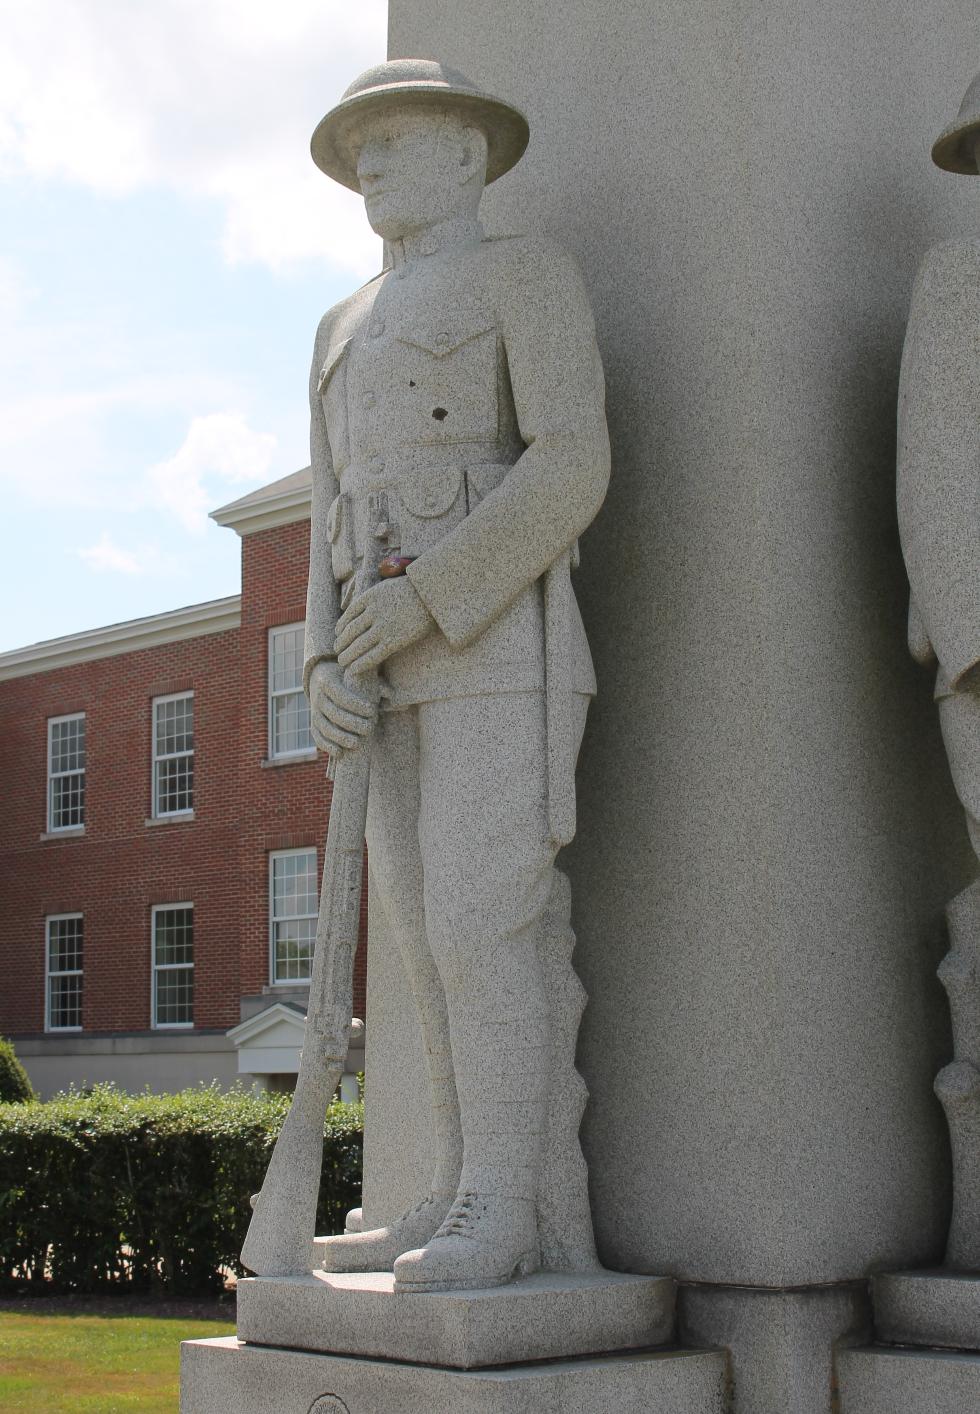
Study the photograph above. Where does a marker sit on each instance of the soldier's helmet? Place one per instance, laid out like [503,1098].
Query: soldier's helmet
[418,83]
[955,148]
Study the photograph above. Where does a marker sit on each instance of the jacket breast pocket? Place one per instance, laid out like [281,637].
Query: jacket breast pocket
[340,529]
[451,365]
[431,503]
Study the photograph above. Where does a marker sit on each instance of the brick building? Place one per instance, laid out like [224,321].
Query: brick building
[161,833]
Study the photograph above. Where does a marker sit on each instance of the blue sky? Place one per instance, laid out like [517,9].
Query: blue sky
[166,250]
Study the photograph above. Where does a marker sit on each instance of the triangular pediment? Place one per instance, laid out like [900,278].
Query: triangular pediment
[276,1025]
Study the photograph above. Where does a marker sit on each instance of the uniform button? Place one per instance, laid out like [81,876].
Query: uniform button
[442,341]
[377,328]
[368,399]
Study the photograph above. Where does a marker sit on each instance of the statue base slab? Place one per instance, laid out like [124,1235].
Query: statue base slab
[542,1317]
[227,1377]
[932,1308]
[879,1380]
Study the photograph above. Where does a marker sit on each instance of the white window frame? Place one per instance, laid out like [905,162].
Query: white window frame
[72,972]
[275,854]
[300,751]
[156,967]
[54,829]
[159,814]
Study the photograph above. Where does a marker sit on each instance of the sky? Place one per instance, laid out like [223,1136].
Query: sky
[166,251]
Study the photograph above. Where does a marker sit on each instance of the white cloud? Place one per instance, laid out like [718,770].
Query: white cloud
[220,447]
[107,555]
[145,558]
[213,98]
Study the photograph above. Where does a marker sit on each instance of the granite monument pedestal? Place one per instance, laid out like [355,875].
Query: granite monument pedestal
[228,1377]
[574,1342]
[927,1359]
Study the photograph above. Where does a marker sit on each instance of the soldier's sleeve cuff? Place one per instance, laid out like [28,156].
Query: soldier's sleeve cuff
[449,603]
[311,663]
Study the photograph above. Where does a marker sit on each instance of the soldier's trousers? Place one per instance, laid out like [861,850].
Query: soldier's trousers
[959,717]
[462,864]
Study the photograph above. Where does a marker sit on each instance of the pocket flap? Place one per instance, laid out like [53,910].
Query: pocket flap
[431,492]
[334,519]
[334,354]
[445,336]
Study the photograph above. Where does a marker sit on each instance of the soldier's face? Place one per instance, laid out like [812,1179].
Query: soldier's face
[417,169]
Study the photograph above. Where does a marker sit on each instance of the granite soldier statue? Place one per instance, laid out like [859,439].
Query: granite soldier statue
[939,517]
[464,386]
[939,474]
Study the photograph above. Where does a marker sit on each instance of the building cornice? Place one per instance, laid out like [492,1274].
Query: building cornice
[216,616]
[246,517]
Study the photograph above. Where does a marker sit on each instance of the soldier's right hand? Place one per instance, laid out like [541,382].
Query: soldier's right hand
[339,716]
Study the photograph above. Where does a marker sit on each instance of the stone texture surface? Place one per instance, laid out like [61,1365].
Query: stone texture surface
[224,1377]
[928,1308]
[783,1344]
[538,1318]
[767,833]
[878,1381]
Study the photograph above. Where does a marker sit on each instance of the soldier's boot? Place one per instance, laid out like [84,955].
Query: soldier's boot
[376,1249]
[490,1232]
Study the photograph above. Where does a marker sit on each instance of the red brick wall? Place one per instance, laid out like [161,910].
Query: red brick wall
[121,866]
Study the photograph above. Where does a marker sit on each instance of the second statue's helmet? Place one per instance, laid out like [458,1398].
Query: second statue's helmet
[955,148]
[416,83]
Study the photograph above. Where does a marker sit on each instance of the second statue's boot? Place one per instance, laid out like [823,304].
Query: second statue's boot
[377,1249]
[489,1235]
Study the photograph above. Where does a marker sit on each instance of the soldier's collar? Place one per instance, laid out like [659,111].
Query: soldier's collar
[459,232]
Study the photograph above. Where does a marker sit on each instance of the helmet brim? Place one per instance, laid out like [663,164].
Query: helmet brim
[334,145]
[955,149]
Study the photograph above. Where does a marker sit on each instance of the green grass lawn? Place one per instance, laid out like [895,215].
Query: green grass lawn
[94,1364]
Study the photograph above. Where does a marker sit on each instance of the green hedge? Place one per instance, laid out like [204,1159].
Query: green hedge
[14,1083]
[102,1189]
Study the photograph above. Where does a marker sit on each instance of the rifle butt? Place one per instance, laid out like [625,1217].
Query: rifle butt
[279,1241]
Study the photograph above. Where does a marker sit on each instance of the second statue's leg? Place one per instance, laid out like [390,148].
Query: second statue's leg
[488,880]
[396,869]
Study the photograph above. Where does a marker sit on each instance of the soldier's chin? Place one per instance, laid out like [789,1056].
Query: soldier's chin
[383,223]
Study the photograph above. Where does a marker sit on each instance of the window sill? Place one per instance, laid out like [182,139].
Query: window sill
[172,1026]
[75,833]
[300,758]
[62,1030]
[178,818]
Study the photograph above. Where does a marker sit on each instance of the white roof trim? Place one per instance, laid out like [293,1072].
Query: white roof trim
[264,1021]
[282,509]
[216,616]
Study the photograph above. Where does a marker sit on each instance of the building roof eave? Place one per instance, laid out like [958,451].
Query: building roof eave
[281,503]
[194,621]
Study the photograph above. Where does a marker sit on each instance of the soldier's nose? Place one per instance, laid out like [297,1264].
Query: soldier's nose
[369,164]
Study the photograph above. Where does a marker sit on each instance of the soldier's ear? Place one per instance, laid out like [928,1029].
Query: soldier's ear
[473,157]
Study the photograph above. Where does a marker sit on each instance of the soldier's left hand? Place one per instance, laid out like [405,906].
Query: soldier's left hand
[381,621]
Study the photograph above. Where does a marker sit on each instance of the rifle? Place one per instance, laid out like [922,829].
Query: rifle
[279,1241]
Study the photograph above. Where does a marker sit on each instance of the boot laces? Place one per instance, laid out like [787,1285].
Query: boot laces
[462,1217]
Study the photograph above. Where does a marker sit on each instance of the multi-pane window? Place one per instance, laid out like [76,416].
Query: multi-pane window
[63,945]
[292,889]
[173,754]
[289,711]
[173,964]
[66,772]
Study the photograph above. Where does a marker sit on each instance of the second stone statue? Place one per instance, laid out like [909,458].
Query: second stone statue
[461,391]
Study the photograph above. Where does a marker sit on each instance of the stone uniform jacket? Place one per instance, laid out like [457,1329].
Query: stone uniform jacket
[939,461]
[468,386]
